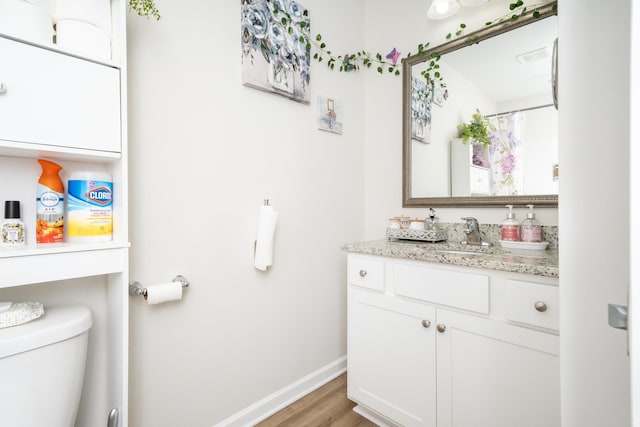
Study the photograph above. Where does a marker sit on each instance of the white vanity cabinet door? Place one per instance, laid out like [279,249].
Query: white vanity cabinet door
[492,374]
[54,99]
[391,357]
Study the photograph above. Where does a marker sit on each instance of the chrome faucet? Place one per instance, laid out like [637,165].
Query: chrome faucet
[472,233]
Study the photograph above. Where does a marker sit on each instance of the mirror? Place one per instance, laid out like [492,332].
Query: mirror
[503,71]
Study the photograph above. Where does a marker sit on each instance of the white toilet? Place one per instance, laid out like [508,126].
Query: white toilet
[42,368]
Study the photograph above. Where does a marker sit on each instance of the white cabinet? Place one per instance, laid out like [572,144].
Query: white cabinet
[71,110]
[55,99]
[469,177]
[420,356]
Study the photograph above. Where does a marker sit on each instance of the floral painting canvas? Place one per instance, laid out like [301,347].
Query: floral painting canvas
[329,115]
[275,51]
[420,110]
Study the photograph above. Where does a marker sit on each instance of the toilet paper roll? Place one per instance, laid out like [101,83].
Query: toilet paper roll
[83,38]
[96,12]
[267,221]
[164,292]
[26,21]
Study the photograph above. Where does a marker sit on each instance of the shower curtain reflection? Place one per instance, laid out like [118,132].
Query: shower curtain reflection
[506,154]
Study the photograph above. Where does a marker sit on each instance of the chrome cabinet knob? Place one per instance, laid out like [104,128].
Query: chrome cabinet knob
[3,88]
[540,306]
[363,273]
[441,327]
[426,323]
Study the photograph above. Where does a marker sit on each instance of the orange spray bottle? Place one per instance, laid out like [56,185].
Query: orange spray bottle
[50,204]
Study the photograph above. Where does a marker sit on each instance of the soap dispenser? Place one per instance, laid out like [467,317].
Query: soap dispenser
[510,228]
[531,230]
[431,222]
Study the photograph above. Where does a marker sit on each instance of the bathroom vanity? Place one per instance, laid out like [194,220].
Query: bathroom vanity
[441,334]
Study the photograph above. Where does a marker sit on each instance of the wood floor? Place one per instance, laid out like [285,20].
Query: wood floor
[327,406]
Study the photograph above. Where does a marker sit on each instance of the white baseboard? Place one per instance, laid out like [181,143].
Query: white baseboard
[282,398]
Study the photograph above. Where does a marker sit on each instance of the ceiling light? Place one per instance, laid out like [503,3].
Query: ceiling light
[441,9]
[472,3]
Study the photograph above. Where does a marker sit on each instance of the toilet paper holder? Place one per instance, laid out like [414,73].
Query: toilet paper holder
[136,288]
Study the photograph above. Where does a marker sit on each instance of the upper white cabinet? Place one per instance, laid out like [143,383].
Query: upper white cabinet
[54,99]
[433,345]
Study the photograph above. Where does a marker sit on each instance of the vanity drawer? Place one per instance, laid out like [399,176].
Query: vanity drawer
[366,272]
[533,303]
[468,291]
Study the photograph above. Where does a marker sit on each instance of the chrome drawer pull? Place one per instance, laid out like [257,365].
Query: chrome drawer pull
[363,273]
[426,323]
[540,306]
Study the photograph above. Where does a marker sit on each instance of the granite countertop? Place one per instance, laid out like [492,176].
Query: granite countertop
[539,263]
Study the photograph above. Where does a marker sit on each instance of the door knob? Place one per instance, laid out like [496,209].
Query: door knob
[363,273]
[441,327]
[426,323]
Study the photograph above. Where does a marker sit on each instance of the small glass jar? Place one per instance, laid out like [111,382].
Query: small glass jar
[12,229]
[394,223]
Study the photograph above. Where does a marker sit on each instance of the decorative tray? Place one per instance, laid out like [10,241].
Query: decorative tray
[422,235]
[531,246]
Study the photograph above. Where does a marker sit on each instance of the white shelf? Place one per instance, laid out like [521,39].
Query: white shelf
[36,151]
[60,261]
[58,248]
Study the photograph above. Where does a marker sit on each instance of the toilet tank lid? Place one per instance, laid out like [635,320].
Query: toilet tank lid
[57,324]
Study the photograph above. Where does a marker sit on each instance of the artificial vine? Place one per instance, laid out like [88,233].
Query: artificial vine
[389,62]
[144,8]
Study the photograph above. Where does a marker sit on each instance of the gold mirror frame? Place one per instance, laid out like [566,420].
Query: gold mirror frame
[479,201]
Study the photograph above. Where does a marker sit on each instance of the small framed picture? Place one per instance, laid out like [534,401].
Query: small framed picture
[329,115]
[439,94]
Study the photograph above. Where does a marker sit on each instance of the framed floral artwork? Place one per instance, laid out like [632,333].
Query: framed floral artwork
[275,51]
[420,110]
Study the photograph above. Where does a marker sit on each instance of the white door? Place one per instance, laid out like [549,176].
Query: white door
[635,214]
[594,218]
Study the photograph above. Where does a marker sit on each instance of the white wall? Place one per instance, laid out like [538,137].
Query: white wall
[404,28]
[204,152]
